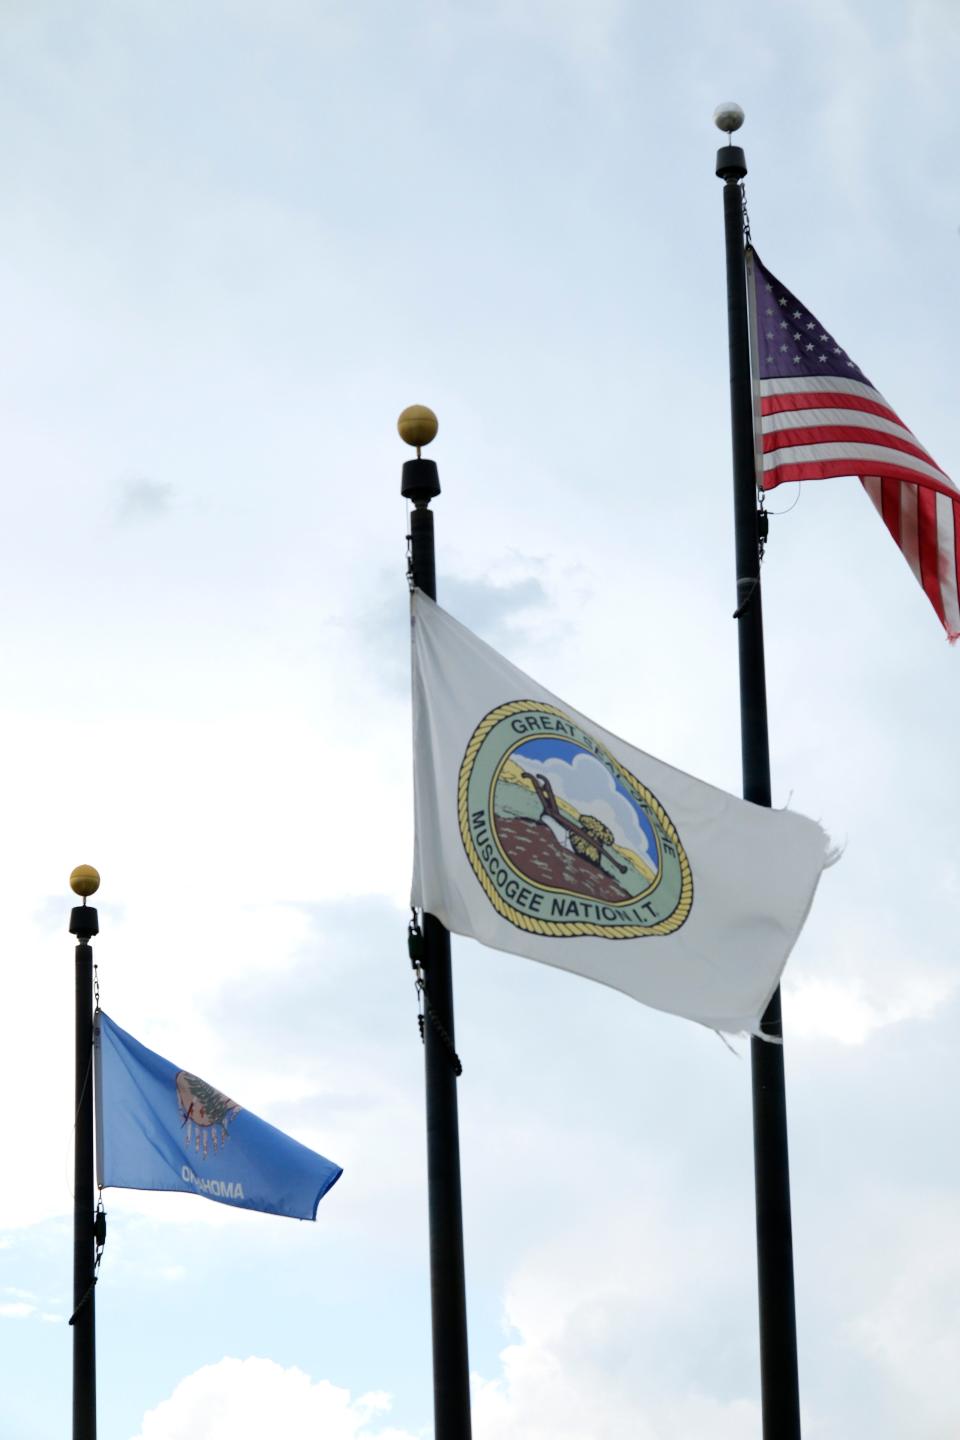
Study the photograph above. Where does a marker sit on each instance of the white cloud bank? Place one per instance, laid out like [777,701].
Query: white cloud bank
[589,787]
[851,1011]
[625,1336]
[537,1398]
[909,1324]
[603,1358]
[593,1360]
[248,1399]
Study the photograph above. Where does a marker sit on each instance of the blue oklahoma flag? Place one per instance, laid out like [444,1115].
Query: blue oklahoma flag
[160,1128]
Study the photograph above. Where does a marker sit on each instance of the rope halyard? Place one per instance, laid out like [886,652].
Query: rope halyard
[746,588]
[100,1214]
[425,1010]
[410,584]
[100,1240]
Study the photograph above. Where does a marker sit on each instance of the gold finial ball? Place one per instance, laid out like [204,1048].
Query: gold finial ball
[418,425]
[84,880]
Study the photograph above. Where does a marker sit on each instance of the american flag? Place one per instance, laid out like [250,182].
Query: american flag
[817,415]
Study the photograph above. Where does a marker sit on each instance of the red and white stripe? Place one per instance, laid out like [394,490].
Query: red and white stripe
[817,426]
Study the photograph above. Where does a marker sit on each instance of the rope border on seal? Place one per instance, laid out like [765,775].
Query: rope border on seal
[565,929]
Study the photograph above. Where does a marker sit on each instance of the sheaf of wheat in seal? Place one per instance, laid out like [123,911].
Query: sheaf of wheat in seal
[562,838]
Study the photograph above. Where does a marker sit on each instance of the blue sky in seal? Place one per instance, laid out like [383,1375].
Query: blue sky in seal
[550,747]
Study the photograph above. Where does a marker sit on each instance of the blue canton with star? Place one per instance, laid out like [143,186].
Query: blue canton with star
[790,339]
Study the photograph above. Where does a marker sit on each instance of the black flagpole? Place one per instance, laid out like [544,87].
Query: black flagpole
[448,1302]
[83,923]
[779,1382]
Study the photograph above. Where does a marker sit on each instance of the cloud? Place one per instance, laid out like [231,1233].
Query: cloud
[541,1395]
[24,1305]
[861,969]
[851,1011]
[590,788]
[495,611]
[621,1332]
[144,499]
[909,1327]
[622,1328]
[247,1399]
[586,34]
[537,1401]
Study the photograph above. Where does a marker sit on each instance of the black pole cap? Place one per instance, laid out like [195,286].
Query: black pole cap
[731,162]
[83,922]
[420,482]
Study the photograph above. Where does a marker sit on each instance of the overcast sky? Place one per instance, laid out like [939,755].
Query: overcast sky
[235,241]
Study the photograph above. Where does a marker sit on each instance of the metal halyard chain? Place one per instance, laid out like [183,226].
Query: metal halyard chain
[425,1011]
[100,1214]
[410,584]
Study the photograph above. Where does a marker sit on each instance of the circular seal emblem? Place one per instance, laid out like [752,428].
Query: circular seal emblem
[563,839]
[205,1113]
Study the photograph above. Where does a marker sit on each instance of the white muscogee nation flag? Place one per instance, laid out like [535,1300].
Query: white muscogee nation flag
[540,833]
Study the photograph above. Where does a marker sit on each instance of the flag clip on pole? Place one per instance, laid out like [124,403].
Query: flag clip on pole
[451,1375]
[84,881]
[779,1383]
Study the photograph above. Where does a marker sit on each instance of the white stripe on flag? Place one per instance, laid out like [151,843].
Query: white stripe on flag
[809,384]
[909,538]
[947,562]
[756,391]
[874,488]
[857,454]
[803,419]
